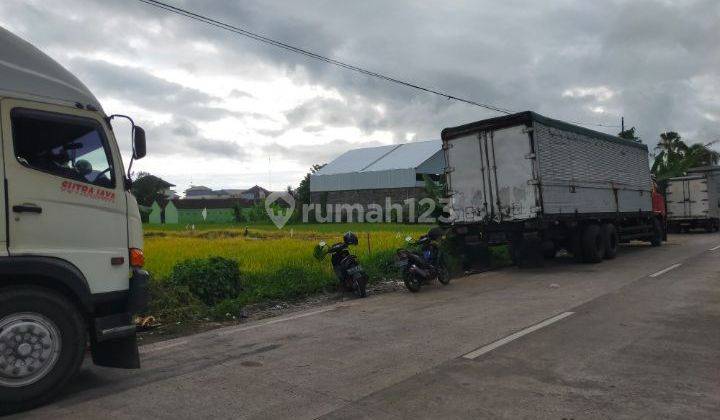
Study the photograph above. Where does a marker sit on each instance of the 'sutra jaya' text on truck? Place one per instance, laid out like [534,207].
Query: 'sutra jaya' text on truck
[693,201]
[71,237]
[541,185]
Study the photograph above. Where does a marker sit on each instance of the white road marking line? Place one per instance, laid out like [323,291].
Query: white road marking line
[714,248]
[154,348]
[663,271]
[492,346]
[274,321]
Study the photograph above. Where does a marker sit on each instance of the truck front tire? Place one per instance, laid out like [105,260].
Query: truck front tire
[592,244]
[42,345]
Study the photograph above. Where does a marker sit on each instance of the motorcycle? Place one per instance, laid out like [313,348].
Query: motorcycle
[348,270]
[424,263]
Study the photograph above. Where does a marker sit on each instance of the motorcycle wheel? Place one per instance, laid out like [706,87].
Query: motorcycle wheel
[360,287]
[443,275]
[411,282]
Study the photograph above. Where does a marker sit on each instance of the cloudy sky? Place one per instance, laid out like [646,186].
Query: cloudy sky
[225,111]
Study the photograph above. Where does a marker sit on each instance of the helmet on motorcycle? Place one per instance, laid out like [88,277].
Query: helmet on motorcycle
[350,238]
[434,234]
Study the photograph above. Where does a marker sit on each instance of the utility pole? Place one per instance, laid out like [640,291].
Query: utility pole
[622,124]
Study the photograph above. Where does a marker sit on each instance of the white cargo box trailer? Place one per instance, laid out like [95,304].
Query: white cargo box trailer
[536,182]
[693,201]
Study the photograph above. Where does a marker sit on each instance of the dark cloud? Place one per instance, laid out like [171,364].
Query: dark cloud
[655,60]
[147,91]
[180,137]
[353,112]
[519,56]
[309,154]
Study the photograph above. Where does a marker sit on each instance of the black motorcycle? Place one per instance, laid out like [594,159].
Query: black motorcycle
[422,263]
[348,270]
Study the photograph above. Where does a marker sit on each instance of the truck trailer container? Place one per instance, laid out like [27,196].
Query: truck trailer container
[541,185]
[693,201]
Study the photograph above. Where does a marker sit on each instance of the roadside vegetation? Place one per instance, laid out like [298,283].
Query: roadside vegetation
[271,264]
[214,271]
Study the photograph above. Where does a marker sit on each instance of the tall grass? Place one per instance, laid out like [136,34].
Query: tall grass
[274,265]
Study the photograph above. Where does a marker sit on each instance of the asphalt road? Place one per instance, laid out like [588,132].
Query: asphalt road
[621,339]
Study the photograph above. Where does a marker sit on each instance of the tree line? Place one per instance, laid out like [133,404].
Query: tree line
[673,157]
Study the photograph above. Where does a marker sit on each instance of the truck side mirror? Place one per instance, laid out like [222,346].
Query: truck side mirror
[139,148]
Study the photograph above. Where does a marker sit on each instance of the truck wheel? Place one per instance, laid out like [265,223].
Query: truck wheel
[657,235]
[527,253]
[592,244]
[42,345]
[549,250]
[710,226]
[575,245]
[610,240]
[514,251]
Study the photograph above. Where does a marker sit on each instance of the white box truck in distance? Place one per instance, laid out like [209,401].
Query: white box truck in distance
[541,185]
[693,201]
[71,238]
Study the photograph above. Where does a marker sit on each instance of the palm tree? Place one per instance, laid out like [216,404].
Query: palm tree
[700,155]
[670,160]
[672,145]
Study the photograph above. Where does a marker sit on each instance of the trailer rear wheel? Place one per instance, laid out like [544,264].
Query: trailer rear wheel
[526,253]
[592,244]
[575,245]
[710,226]
[610,240]
[658,234]
[549,250]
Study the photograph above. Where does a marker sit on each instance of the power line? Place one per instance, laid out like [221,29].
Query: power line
[307,53]
[594,124]
[316,56]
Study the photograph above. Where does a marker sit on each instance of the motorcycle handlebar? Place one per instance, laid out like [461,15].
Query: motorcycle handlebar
[337,247]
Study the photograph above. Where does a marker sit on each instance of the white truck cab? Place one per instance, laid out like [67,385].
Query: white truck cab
[70,231]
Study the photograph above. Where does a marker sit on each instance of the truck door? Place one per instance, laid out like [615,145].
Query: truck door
[697,195]
[65,195]
[509,159]
[466,178]
[491,175]
[676,207]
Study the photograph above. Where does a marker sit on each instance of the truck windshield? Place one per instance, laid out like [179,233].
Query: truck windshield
[66,146]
